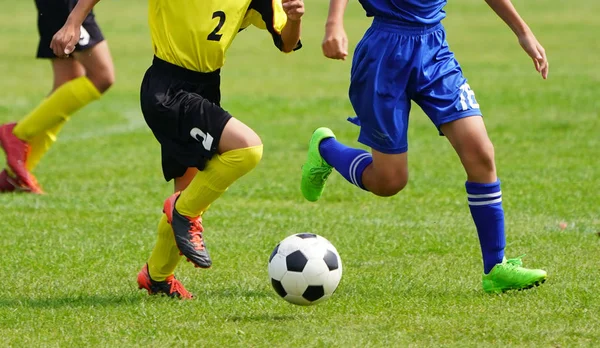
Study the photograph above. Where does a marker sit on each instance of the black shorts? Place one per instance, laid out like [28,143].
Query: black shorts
[52,15]
[182,108]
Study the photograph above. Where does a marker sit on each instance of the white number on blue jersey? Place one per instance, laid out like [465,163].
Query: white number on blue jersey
[467,98]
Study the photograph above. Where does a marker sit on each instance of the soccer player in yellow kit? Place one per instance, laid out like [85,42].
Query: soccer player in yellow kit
[78,80]
[204,149]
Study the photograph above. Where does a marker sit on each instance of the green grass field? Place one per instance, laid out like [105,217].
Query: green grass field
[412,265]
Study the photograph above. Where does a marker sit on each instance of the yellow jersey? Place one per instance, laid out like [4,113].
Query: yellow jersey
[195,34]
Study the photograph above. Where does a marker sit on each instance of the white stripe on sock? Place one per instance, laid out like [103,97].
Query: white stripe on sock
[486,202]
[354,165]
[484,195]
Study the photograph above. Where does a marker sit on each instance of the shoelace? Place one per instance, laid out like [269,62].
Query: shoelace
[177,287]
[516,262]
[319,175]
[196,230]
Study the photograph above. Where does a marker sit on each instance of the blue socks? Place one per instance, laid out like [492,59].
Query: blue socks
[485,200]
[349,162]
[485,203]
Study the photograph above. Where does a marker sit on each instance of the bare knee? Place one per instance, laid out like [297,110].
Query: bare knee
[385,183]
[387,174]
[391,187]
[236,135]
[479,162]
[102,79]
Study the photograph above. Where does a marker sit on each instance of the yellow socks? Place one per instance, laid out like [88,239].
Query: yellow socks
[40,127]
[165,255]
[57,107]
[41,143]
[208,185]
[220,172]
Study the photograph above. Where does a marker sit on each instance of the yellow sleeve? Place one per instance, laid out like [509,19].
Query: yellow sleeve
[269,15]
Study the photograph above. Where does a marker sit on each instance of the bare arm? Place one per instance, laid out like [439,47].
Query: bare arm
[64,41]
[336,12]
[290,34]
[507,12]
[335,43]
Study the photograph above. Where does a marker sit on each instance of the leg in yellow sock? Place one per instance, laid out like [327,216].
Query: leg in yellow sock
[220,173]
[57,108]
[165,255]
[208,185]
[41,143]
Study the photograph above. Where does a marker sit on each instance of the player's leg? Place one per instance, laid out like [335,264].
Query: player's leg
[94,64]
[64,70]
[378,92]
[165,255]
[469,138]
[450,103]
[41,125]
[98,64]
[239,151]
[383,174]
[74,94]
[222,147]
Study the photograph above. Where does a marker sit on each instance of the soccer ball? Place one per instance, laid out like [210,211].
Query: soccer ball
[305,269]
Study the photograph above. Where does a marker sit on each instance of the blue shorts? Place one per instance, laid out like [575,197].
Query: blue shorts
[395,63]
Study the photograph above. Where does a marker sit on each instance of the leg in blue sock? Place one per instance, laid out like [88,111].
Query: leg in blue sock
[485,203]
[349,162]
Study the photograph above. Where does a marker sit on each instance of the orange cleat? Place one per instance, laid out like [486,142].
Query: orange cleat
[17,151]
[170,286]
[188,234]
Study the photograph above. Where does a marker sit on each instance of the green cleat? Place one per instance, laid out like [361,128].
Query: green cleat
[315,170]
[510,275]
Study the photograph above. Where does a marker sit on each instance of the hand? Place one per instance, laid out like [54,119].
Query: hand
[64,41]
[294,9]
[537,53]
[335,43]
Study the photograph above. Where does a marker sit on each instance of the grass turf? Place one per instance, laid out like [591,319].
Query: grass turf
[411,263]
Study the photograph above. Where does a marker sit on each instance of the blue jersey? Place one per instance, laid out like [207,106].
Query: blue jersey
[411,11]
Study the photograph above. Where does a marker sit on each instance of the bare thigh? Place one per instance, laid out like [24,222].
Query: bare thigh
[98,64]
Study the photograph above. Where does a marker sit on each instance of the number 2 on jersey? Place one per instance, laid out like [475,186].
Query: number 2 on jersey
[214,36]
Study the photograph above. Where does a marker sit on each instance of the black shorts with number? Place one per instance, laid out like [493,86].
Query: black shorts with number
[182,108]
[52,15]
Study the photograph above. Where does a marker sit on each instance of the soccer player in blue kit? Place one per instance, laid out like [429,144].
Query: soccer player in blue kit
[404,56]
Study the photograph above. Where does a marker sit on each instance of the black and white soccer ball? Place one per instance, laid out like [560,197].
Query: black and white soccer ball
[305,269]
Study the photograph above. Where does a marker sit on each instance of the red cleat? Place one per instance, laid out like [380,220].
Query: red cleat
[170,286]
[17,151]
[7,183]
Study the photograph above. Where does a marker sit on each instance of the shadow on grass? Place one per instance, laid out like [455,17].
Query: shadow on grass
[75,301]
[240,293]
[264,317]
